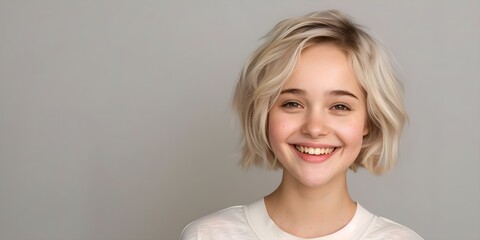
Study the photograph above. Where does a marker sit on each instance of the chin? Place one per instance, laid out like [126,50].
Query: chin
[314,182]
[316,179]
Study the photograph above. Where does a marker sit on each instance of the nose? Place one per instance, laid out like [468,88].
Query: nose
[315,124]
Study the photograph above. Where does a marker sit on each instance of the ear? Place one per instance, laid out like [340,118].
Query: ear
[366,130]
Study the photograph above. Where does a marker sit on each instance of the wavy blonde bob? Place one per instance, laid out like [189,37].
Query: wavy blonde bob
[269,67]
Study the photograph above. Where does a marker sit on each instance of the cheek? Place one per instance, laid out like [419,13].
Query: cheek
[275,129]
[352,133]
[279,128]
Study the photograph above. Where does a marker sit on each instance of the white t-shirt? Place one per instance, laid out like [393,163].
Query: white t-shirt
[252,222]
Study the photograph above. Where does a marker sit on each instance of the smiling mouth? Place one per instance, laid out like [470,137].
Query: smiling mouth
[314,151]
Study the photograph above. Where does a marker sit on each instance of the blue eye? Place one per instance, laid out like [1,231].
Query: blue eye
[291,105]
[340,107]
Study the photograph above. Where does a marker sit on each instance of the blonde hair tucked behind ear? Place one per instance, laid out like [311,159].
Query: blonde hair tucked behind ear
[273,63]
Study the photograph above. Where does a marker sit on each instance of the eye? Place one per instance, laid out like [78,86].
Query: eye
[340,107]
[291,104]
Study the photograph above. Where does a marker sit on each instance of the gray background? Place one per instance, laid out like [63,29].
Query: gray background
[115,120]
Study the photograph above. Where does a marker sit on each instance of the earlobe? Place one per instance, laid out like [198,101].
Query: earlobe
[365,131]
[366,128]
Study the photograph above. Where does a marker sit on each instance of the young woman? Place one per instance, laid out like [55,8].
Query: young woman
[319,97]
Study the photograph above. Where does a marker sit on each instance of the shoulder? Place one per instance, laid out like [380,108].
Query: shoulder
[384,228]
[227,222]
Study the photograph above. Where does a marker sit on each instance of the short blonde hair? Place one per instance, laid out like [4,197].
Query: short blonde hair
[265,73]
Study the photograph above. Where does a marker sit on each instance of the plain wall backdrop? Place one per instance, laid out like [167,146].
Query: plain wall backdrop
[115,120]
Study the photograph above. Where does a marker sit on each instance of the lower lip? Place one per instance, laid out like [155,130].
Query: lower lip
[314,158]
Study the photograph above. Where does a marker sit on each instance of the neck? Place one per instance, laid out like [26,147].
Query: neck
[309,212]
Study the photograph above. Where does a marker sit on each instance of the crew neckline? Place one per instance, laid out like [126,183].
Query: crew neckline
[264,227]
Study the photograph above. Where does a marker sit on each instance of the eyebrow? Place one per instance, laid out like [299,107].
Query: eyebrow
[297,91]
[293,91]
[343,93]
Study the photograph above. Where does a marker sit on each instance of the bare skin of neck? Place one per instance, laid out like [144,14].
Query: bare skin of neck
[310,212]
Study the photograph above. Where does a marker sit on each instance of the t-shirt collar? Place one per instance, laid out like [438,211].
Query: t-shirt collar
[264,227]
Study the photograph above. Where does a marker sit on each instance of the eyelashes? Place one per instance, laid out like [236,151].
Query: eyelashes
[340,107]
[297,105]
[291,104]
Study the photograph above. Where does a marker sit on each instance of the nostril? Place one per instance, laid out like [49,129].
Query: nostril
[315,129]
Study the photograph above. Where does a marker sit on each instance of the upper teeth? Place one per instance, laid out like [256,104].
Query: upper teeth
[314,151]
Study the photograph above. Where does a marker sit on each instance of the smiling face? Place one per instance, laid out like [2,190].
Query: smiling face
[317,124]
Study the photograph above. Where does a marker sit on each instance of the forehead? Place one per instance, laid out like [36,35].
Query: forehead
[323,67]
